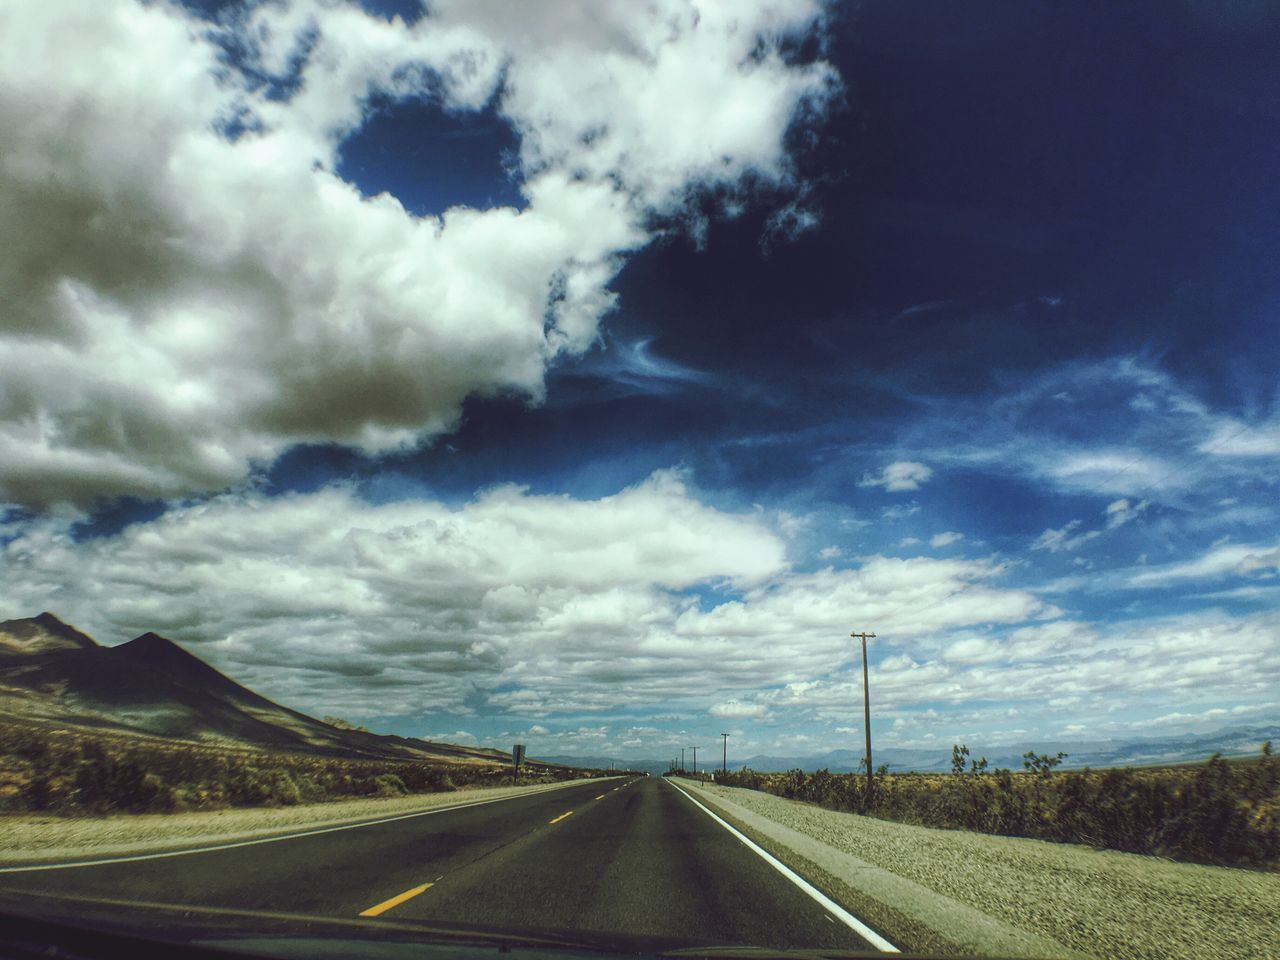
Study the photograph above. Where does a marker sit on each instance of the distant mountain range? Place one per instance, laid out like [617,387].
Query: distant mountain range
[607,763]
[1233,742]
[50,671]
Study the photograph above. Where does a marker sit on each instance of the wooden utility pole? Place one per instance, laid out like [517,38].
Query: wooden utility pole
[866,706]
[724,760]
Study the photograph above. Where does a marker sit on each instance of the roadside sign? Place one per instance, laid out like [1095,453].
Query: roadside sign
[517,754]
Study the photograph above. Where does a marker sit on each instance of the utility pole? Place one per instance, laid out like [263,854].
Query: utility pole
[682,759]
[695,761]
[724,760]
[866,706]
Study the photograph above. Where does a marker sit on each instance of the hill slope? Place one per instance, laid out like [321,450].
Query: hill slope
[51,671]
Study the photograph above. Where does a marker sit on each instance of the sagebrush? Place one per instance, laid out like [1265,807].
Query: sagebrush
[74,772]
[1221,812]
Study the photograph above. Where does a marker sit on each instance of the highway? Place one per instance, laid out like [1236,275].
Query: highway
[622,857]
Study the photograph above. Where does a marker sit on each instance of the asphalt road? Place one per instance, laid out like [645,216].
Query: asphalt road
[620,857]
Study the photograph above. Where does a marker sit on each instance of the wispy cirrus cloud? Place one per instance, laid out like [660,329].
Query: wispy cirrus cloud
[1239,560]
[1064,538]
[1119,429]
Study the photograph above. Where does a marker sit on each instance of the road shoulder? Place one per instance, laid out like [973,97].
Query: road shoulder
[905,911]
[29,839]
[973,890]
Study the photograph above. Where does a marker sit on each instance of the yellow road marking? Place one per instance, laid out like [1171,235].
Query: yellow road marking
[601,797]
[562,816]
[395,901]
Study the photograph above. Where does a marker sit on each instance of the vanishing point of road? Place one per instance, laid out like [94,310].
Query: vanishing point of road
[623,857]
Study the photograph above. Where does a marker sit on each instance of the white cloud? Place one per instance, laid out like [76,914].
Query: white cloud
[973,650]
[1228,559]
[806,618]
[1162,663]
[945,539]
[181,307]
[1063,538]
[341,606]
[900,513]
[899,476]
[1120,512]
[1108,471]
[1234,439]
[736,709]
[458,736]
[1047,639]
[535,604]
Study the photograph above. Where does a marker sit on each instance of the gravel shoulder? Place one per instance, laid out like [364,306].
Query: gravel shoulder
[26,838]
[968,893]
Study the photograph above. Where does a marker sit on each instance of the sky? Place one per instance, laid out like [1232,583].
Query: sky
[583,374]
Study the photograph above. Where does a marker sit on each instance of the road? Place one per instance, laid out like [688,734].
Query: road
[630,858]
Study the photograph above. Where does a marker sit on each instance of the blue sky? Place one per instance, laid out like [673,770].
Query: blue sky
[586,380]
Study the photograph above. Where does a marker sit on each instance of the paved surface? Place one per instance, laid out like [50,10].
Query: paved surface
[620,857]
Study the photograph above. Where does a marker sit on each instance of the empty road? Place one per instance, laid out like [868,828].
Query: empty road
[624,858]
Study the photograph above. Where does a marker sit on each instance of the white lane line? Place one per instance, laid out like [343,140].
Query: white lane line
[849,920]
[250,843]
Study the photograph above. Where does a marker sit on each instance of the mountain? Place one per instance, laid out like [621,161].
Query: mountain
[42,634]
[610,763]
[1190,748]
[50,671]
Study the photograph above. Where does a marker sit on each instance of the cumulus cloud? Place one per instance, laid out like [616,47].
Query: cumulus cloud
[393,606]
[536,605]
[1203,657]
[899,476]
[973,650]
[190,288]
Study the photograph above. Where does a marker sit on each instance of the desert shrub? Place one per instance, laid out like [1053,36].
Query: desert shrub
[1212,821]
[389,785]
[256,787]
[76,772]
[38,794]
[1221,813]
[103,784]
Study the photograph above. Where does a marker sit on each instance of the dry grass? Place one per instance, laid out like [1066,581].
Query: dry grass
[67,771]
